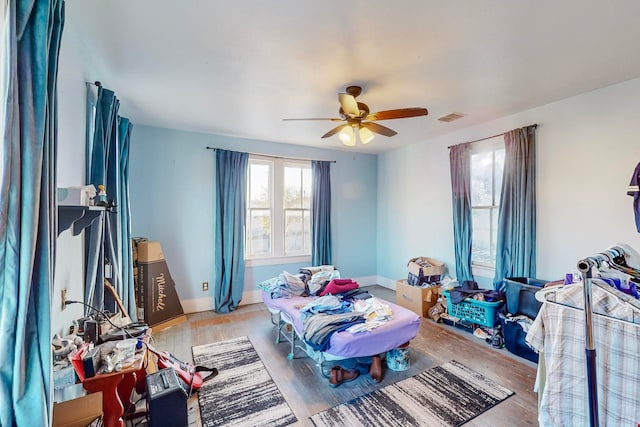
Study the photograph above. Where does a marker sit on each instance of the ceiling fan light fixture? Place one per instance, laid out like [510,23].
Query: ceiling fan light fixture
[366,136]
[347,136]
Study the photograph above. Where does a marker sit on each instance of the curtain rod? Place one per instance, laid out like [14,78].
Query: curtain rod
[535,125]
[274,157]
[96,83]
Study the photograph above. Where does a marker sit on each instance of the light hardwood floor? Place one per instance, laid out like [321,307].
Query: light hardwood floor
[306,390]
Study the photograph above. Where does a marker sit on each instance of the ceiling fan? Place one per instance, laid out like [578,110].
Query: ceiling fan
[358,118]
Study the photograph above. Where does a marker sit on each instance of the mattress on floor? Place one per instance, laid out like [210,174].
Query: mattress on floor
[397,331]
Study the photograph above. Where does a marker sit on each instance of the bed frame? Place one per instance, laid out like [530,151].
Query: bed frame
[287,320]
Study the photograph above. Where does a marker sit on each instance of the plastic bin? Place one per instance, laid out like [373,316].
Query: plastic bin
[514,340]
[398,359]
[480,312]
[521,295]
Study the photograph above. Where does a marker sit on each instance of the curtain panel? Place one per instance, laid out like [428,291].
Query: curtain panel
[516,243]
[28,214]
[108,242]
[320,213]
[126,290]
[460,165]
[101,243]
[230,214]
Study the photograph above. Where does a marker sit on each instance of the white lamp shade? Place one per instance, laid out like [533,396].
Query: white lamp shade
[365,135]
[347,136]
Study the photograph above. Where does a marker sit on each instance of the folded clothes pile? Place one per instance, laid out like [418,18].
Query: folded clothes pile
[339,286]
[284,285]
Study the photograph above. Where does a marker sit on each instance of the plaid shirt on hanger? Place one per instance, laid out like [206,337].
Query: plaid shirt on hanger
[559,332]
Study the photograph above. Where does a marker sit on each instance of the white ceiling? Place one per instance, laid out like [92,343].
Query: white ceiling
[238,68]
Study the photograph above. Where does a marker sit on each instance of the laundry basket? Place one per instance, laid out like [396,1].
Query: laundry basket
[480,312]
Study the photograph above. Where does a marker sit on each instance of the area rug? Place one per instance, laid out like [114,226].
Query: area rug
[243,393]
[447,395]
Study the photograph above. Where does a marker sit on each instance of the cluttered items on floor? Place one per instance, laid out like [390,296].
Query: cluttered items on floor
[188,374]
[422,270]
[421,289]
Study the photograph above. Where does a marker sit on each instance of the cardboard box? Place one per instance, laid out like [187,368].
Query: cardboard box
[157,299]
[149,251]
[435,268]
[416,298]
[79,412]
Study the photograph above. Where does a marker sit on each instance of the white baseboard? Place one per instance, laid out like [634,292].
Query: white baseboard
[387,283]
[251,297]
[197,305]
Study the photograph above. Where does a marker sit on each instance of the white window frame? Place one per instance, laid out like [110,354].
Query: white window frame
[277,255]
[489,145]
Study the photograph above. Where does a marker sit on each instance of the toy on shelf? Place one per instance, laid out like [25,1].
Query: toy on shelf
[102,196]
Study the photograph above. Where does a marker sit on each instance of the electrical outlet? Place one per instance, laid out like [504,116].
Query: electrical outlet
[63,297]
[205,286]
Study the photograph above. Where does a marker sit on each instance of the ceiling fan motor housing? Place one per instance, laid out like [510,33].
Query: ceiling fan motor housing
[358,117]
[364,111]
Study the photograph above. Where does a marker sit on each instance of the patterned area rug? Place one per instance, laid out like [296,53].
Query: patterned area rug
[447,395]
[243,393]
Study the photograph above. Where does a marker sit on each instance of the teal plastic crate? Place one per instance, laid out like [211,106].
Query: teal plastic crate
[480,312]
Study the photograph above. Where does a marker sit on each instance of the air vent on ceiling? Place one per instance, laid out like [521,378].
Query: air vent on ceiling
[451,117]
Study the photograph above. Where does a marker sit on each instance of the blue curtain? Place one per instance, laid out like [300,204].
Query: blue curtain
[516,244]
[99,240]
[460,165]
[103,138]
[320,213]
[109,240]
[230,214]
[126,290]
[28,215]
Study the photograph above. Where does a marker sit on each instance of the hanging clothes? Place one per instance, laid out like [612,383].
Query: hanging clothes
[558,332]
[634,192]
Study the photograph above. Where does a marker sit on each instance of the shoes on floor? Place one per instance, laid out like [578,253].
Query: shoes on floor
[339,375]
[375,371]
[497,341]
[481,333]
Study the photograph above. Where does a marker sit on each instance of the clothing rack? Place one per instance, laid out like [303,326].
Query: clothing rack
[613,258]
[585,266]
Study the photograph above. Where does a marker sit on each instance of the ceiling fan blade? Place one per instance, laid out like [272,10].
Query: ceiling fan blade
[333,119]
[400,113]
[334,131]
[382,130]
[349,105]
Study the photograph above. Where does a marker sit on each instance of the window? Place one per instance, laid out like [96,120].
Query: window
[487,163]
[278,210]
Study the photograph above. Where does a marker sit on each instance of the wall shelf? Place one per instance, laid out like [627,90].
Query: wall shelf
[77,217]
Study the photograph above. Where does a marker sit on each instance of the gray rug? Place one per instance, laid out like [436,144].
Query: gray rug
[447,395]
[243,393]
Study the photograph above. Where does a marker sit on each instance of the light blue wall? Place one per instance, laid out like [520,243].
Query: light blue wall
[587,148]
[73,72]
[172,198]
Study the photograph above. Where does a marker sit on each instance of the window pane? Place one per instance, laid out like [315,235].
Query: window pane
[259,185]
[481,245]
[307,232]
[494,234]
[293,232]
[481,179]
[260,232]
[306,188]
[292,187]
[498,173]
